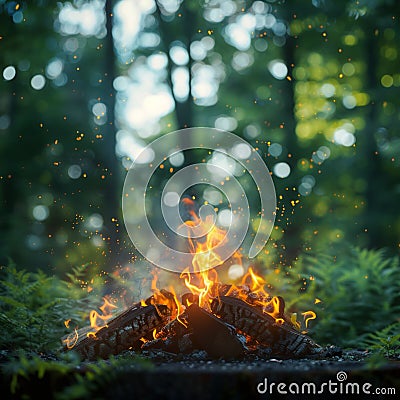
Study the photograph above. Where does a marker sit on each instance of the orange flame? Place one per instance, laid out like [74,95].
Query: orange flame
[71,339]
[97,320]
[203,281]
[308,316]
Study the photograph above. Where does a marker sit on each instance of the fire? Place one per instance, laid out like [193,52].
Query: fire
[308,315]
[203,281]
[97,320]
[71,339]
[201,278]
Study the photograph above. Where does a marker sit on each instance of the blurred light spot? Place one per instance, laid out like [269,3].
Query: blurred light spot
[226,165]
[387,81]
[350,40]
[235,271]
[61,80]
[149,39]
[18,17]
[214,15]
[323,153]
[275,149]
[40,213]
[279,28]
[4,122]
[226,123]
[197,51]
[177,159]
[171,199]
[327,90]
[9,73]
[270,21]
[225,217]
[281,170]
[99,109]
[158,61]
[241,150]
[390,53]
[261,45]
[251,131]
[74,171]
[228,7]
[248,21]
[309,179]
[54,68]
[348,69]
[349,101]
[145,156]
[95,221]
[362,99]
[179,55]
[88,19]
[344,137]
[207,42]
[170,6]
[213,196]
[180,81]
[278,69]
[242,60]
[259,7]
[38,82]
[305,189]
[71,45]
[121,83]
[33,242]
[238,36]
[97,241]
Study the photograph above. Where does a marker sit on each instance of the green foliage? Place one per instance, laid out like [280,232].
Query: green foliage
[359,292]
[385,341]
[33,307]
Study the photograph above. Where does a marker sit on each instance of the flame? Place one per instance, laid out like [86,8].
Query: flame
[167,297]
[201,278]
[308,316]
[203,281]
[71,339]
[97,320]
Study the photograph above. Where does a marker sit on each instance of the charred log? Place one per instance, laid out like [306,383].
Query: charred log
[283,340]
[213,335]
[122,332]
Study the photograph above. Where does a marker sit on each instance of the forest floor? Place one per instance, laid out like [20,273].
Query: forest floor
[160,375]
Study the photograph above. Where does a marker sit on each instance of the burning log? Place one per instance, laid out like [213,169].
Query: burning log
[213,335]
[123,331]
[282,339]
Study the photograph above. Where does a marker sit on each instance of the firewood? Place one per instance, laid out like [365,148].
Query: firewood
[122,332]
[189,298]
[213,335]
[282,339]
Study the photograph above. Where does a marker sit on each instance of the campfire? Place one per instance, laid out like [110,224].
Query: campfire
[225,320]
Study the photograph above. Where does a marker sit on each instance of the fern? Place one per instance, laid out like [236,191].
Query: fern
[385,341]
[354,292]
[33,307]
[360,293]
